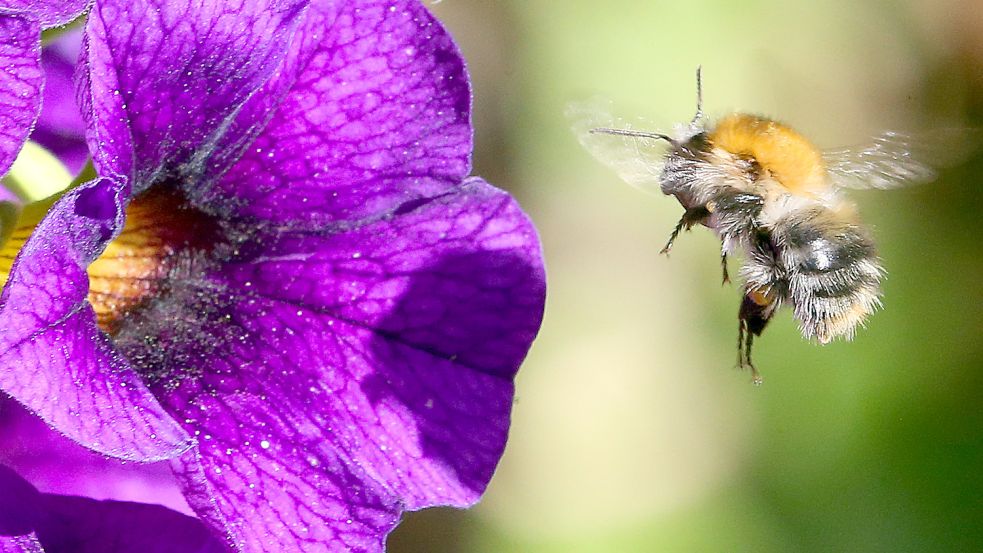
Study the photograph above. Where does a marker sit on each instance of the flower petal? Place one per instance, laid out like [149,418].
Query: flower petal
[162,79]
[84,525]
[60,128]
[7,196]
[51,13]
[480,305]
[19,504]
[376,377]
[270,502]
[370,109]
[54,359]
[21,81]
[30,520]
[20,544]
[56,464]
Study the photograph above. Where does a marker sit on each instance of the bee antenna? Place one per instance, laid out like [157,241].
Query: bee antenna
[699,96]
[636,134]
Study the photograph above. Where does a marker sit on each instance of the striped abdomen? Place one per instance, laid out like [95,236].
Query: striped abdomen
[833,274]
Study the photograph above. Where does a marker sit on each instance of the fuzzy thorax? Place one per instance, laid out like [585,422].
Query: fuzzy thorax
[784,154]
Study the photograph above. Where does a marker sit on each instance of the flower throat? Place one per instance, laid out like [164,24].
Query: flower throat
[160,227]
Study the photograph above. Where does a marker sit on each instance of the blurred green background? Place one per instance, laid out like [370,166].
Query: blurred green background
[632,431]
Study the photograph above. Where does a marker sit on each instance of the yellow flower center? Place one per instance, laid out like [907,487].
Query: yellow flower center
[135,266]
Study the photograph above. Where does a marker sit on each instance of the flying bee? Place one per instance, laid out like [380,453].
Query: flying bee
[768,193]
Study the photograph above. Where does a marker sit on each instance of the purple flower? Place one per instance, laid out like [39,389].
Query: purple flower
[283,278]
[60,128]
[21,80]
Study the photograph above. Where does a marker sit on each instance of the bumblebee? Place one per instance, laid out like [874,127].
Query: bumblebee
[771,195]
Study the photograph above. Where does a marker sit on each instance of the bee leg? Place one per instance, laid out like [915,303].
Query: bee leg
[741,329]
[723,265]
[690,217]
[745,338]
[755,376]
[752,317]
[672,237]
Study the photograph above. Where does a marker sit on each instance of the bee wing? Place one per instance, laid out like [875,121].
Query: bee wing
[638,161]
[896,159]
